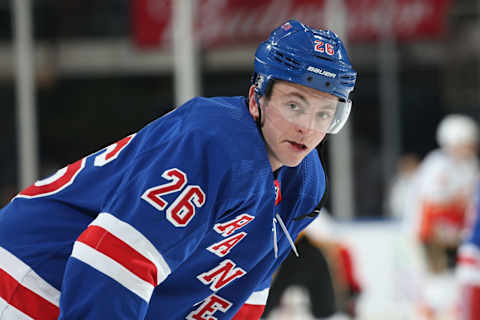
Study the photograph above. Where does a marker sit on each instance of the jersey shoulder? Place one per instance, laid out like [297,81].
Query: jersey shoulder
[226,121]
[222,122]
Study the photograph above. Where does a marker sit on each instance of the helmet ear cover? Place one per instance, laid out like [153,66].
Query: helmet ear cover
[267,91]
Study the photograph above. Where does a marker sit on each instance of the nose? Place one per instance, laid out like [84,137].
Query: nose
[303,130]
[300,129]
[304,124]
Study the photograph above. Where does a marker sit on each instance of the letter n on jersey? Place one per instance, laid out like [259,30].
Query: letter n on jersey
[221,275]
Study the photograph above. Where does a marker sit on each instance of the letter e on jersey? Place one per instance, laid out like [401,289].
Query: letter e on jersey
[209,307]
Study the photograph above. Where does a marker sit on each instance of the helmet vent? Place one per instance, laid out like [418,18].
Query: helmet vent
[323,57]
[288,61]
[348,76]
[347,79]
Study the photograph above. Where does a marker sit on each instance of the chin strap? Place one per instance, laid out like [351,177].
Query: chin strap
[259,119]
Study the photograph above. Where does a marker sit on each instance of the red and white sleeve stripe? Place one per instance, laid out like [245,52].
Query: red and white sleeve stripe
[468,269]
[23,293]
[253,308]
[121,252]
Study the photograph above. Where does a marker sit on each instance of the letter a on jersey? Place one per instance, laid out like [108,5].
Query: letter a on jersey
[223,247]
[229,227]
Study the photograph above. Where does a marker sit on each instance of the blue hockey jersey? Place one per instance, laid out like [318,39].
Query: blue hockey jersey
[468,268]
[182,220]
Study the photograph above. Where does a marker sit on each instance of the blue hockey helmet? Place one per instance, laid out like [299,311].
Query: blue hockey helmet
[311,57]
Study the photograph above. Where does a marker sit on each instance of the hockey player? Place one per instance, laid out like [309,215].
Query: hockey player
[468,267]
[445,182]
[189,217]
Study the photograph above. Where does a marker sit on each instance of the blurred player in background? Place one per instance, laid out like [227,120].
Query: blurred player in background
[446,182]
[189,217]
[468,266]
[447,178]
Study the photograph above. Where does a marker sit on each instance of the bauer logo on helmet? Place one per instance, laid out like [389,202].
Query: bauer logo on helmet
[321,72]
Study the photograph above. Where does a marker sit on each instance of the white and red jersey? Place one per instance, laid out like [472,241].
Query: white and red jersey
[172,222]
[445,186]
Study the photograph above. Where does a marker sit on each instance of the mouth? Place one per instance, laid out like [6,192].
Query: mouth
[297,146]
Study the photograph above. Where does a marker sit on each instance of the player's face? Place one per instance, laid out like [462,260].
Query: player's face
[295,120]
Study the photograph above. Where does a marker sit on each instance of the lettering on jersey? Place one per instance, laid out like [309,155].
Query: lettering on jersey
[66,176]
[211,305]
[112,151]
[278,193]
[223,247]
[178,181]
[221,275]
[183,208]
[55,183]
[229,227]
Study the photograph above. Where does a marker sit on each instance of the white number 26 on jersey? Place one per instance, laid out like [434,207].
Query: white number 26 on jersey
[182,209]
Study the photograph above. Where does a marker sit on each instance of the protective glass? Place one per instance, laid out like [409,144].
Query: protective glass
[329,117]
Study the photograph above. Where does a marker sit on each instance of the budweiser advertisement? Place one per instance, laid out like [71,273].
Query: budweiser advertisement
[243,22]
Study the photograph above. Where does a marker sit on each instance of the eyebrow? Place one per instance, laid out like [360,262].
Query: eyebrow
[302,97]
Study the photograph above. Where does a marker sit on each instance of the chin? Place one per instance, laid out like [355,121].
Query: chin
[292,163]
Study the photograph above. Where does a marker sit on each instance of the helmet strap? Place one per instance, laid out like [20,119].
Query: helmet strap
[259,118]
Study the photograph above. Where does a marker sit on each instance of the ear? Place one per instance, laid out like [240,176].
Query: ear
[252,103]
